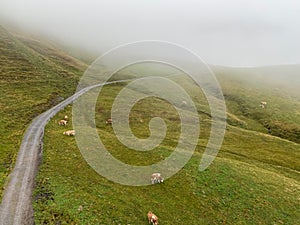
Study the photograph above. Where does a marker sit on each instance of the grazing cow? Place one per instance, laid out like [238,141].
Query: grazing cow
[109,121]
[62,123]
[80,208]
[66,117]
[152,218]
[263,104]
[156,178]
[69,133]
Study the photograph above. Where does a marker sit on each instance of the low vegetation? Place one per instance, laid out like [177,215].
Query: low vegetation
[31,81]
[244,89]
[254,180]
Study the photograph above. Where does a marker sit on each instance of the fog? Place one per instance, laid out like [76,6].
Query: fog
[228,32]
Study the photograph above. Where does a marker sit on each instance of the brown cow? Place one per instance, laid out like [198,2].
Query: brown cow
[62,123]
[152,218]
[109,121]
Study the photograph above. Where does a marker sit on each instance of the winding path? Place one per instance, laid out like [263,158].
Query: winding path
[16,207]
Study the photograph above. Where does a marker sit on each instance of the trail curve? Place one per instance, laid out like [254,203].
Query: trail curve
[16,206]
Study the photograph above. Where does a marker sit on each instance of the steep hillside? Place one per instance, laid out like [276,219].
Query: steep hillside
[245,88]
[33,77]
[254,180]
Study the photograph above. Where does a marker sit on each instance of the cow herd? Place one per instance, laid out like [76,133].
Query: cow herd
[63,122]
[155,178]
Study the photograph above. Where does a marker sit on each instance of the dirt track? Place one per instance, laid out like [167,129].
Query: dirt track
[16,207]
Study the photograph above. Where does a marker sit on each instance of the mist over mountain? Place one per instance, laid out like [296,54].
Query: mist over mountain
[253,180]
[230,33]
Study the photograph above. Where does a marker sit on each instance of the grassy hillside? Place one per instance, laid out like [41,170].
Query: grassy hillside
[33,77]
[254,180]
[244,89]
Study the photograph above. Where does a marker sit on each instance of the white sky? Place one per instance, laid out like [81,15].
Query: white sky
[224,32]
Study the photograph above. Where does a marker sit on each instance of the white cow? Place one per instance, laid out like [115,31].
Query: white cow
[69,133]
[62,123]
[156,178]
[263,104]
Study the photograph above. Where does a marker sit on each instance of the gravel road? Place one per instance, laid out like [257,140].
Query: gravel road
[16,207]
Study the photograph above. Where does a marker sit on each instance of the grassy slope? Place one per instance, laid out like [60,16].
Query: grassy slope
[33,77]
[278,86]
[254,180]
